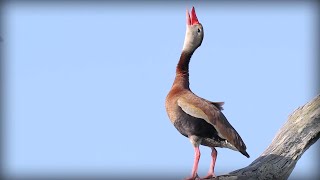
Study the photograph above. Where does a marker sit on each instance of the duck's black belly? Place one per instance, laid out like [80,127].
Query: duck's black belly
[188,125]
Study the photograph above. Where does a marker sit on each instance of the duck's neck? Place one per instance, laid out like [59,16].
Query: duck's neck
[182,70]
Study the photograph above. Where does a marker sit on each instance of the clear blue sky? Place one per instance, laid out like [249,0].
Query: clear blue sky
[85,84]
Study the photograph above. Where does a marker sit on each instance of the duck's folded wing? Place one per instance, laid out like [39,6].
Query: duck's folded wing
[200,108]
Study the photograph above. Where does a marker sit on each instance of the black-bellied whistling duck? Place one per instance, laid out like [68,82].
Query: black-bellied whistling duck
[196,118]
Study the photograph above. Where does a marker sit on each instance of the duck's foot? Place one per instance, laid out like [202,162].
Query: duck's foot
[196,177]
[209,176]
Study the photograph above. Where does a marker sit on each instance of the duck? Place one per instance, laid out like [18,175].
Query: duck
[196,118]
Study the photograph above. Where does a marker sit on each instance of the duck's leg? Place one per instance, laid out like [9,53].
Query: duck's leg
[213,162]
[194,171]
[196,143]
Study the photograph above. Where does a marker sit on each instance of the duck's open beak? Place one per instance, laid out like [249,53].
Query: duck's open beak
[192,18]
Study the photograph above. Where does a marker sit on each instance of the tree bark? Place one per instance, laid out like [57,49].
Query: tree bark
[301,130]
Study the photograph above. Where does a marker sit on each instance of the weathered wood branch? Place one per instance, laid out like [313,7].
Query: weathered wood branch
[301,130]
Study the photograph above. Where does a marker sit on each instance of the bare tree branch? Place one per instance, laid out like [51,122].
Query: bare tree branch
[301,130]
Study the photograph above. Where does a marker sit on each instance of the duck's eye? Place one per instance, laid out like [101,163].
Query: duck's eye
[199,30]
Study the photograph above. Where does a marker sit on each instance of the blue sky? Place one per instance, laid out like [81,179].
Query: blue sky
[85,84]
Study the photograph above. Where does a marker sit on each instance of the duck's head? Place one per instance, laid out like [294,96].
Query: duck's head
[194,32]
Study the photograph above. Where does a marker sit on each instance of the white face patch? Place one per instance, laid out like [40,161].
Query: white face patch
[193,37]
[188,44]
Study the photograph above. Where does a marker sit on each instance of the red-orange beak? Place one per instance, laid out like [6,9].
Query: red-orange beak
[192,19]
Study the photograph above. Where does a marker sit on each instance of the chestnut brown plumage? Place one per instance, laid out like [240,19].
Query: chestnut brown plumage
[194,117]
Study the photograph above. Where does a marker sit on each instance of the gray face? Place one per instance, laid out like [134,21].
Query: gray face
[193,38]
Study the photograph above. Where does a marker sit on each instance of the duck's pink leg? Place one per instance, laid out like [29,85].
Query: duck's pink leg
[213,162]
[194,174]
